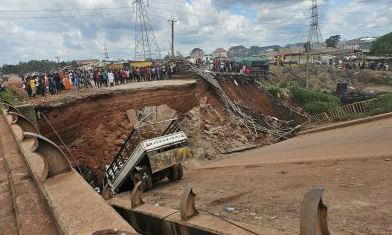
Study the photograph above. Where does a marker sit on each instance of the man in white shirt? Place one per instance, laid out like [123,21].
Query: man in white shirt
[111,78]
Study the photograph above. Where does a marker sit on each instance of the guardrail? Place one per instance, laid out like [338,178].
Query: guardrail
[330,115]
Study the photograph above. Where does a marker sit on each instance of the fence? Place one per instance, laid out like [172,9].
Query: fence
[330,115]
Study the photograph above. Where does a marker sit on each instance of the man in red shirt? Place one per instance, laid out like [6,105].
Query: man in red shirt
[123,76]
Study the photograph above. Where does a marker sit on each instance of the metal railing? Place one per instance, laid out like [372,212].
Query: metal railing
[123,154]
[330,115]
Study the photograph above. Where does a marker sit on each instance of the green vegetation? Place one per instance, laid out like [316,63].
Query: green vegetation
[333,41]
[377,106]
[314,101]
[42,66]
[9,96]
[274,91]
[380,105]
[384,80]
[382,46]
[311,100]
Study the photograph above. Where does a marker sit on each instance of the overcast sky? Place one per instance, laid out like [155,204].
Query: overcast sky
[39,30]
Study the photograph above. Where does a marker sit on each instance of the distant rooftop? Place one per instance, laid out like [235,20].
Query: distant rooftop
[219,50]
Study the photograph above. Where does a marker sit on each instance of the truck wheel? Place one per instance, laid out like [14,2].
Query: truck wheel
[173,175]
[149,183]
[180,172]
[138,177]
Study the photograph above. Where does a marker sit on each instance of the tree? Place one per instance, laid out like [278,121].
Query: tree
[239,51]
[307,46]
[42,66]
[382,46]
[333,41]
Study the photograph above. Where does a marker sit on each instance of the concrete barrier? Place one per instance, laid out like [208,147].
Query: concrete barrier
[74,205]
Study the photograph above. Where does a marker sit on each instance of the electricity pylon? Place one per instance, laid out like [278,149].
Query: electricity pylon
[146,46]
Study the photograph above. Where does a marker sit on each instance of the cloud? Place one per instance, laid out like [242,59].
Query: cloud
[207,24]
[72,41]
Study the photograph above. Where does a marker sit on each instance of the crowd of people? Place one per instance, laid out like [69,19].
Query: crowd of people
[225,66]
[364,65]
[75,78]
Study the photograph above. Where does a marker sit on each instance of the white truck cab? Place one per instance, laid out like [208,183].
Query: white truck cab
[150,161]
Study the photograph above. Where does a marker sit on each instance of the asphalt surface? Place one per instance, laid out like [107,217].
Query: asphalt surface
[359,141]
[265,187]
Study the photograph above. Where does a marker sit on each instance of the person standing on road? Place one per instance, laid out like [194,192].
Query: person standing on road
[158,71]
[33,87]
[123,76]
[66,82]
[96,78]
[111,78]
[27,86]
[128,75]
[116,77]
[105,78]
[51,86]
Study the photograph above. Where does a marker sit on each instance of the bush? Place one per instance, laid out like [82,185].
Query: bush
[382,46]
[377,106]
[284,84]
[380,105]
[274,92]
[384,80]
[8,96]
[318,107]
[314,101]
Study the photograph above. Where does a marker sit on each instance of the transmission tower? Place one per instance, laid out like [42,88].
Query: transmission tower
[314,29]
[314,38]
[146,46]
[105,52]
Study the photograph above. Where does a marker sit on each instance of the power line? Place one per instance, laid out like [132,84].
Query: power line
[69,9]
[61,16]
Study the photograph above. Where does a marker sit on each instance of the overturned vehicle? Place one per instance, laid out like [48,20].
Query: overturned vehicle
[148,160]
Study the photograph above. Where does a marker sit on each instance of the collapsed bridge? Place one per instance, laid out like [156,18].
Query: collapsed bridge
[59,187]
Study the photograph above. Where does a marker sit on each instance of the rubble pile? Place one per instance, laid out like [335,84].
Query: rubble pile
[211,132]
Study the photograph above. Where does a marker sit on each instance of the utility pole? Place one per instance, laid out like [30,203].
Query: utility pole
[146,46]
[105,52]
[172,21]
[307,69]
[58,62]
[314,36]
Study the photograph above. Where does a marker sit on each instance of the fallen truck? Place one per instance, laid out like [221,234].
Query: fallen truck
[149,161]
